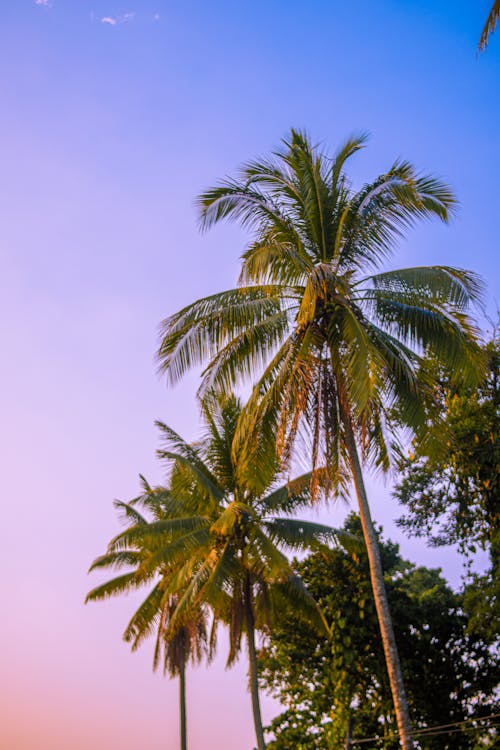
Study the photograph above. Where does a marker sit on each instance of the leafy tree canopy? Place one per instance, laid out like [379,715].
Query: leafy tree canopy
[450,674]
[450,483]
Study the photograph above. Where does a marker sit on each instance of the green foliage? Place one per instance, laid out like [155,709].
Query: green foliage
[450,483]
[323,683]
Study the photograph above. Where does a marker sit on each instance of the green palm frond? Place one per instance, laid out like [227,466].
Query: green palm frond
[275,258]
[244,354]
[118,559]
[240,201]
[295,494]
[401,381]
[188,457]
[264,558]
[274,408]
[200,330]
[197,474]
[128,513]
[220,413]
[119,585]
[173,552]
[444,284]
[220,584]
[230,517]
[490,25]
[448,335]
[293,592]
[353,144]
[361,358]
[301,535]
[190,597]
[383,210]
[145,619]
[174,443]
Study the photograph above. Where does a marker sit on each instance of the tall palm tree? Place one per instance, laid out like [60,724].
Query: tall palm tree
[228,542]
[490,25]
[175,647]
[339,342]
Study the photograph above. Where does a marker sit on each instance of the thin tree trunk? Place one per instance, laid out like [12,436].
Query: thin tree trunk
[379,592]
[348,739]
[182,702]
[252,668]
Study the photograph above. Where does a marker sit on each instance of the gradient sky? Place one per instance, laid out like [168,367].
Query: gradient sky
[112,118]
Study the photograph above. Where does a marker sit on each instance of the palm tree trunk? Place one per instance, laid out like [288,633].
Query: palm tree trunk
[379,591]
[182,702]
[252,667]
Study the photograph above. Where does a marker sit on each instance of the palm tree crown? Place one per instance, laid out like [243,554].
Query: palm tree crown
[177,646]
[217,543]
[314,307]
[174,648]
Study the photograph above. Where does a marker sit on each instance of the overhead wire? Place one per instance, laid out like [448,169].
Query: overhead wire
[437,729]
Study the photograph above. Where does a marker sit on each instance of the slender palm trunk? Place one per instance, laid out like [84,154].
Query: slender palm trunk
[379,592]
[348,739]
[182,702]
[252,667]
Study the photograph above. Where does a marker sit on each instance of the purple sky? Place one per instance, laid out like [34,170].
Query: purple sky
[113,118]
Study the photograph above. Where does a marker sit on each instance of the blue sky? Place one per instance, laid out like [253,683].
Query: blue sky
[109,129]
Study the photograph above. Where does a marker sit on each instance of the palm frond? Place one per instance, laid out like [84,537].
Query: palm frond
[443,284]
[198,332]
[489,26]
[128,512]
[265,560]
[295,494]
[275,258]
[192,591]
[239,201]
[353,144]
[175,551]
[189,457]
[118,559]
[382,211]
[301,535]
[245,354]
[119,585]
[145,618]
[294,590]
[447,334]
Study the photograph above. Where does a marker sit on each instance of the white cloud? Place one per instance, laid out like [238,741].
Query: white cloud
[156,16]
[115,20]
[46,3]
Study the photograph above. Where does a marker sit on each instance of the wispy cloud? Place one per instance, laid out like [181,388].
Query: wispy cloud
[46,3]
[115,20]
